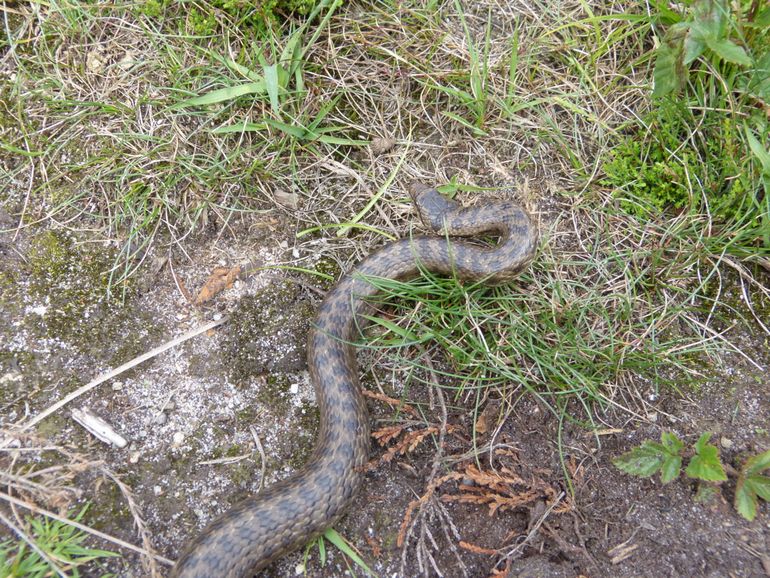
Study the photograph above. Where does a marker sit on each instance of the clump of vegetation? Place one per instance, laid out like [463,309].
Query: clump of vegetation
[704,465]
[701,146]
[259,16]
[60,543]
[675,166]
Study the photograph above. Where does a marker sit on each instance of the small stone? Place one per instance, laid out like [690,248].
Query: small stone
[652,416]
[117,385]
[284,244]
[134,457]
[294,388]
[726,443]
[290,200]
[160,419]
[157,490]
[11,377]
[178,438]
[170,406]
[381,145]
[299,569]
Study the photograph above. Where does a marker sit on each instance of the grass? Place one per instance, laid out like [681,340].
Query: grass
[51,546]
[186,124]
[576,330]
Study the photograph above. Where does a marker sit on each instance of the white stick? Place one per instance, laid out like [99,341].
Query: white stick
[117,371]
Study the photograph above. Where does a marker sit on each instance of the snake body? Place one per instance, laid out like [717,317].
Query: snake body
[288,514]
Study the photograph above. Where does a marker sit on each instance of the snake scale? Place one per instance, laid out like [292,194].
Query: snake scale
[288,514]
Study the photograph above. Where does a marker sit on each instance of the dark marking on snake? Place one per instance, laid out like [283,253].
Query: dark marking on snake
[290,513]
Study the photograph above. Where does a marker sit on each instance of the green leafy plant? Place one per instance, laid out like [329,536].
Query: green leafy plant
[279,80]
[202,18]
[61,543]
[336,539]
[720,33]
[752,485]
[704,464]
[702,146]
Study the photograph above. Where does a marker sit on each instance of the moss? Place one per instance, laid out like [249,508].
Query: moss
[274,392]
[242,473]
[328,267]
[109,509]
[81,306]
[267,334]
[308,419]
[205,21]
[664,166]
[52,426]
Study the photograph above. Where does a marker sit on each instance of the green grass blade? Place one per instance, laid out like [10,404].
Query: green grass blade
[223,95]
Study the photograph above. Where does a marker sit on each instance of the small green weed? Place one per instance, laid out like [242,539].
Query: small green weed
[729,38]
[704,464]
[333,537]
[60,542]
[702,146]
[280,82]
[202,18]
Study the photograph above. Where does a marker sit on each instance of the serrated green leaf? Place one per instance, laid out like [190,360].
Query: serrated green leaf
[672,443]
[643,460]
[703,442]
[669,74]
[706,494]
[729,51]
[705,464]
[745,501]
[670,469]
[760,485]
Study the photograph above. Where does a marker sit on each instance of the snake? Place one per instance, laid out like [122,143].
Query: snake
[291,512]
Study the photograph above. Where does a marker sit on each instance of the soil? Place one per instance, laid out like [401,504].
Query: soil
[196,416]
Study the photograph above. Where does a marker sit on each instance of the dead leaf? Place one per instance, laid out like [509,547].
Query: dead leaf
[481,424]
[477,549]
[387,434]
[221,278]
[376,549]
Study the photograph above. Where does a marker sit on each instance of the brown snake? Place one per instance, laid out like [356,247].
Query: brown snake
[290,513]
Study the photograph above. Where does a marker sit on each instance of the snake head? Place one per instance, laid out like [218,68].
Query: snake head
[431,205]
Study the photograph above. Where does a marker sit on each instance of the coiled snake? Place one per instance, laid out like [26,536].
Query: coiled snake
[290,513]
